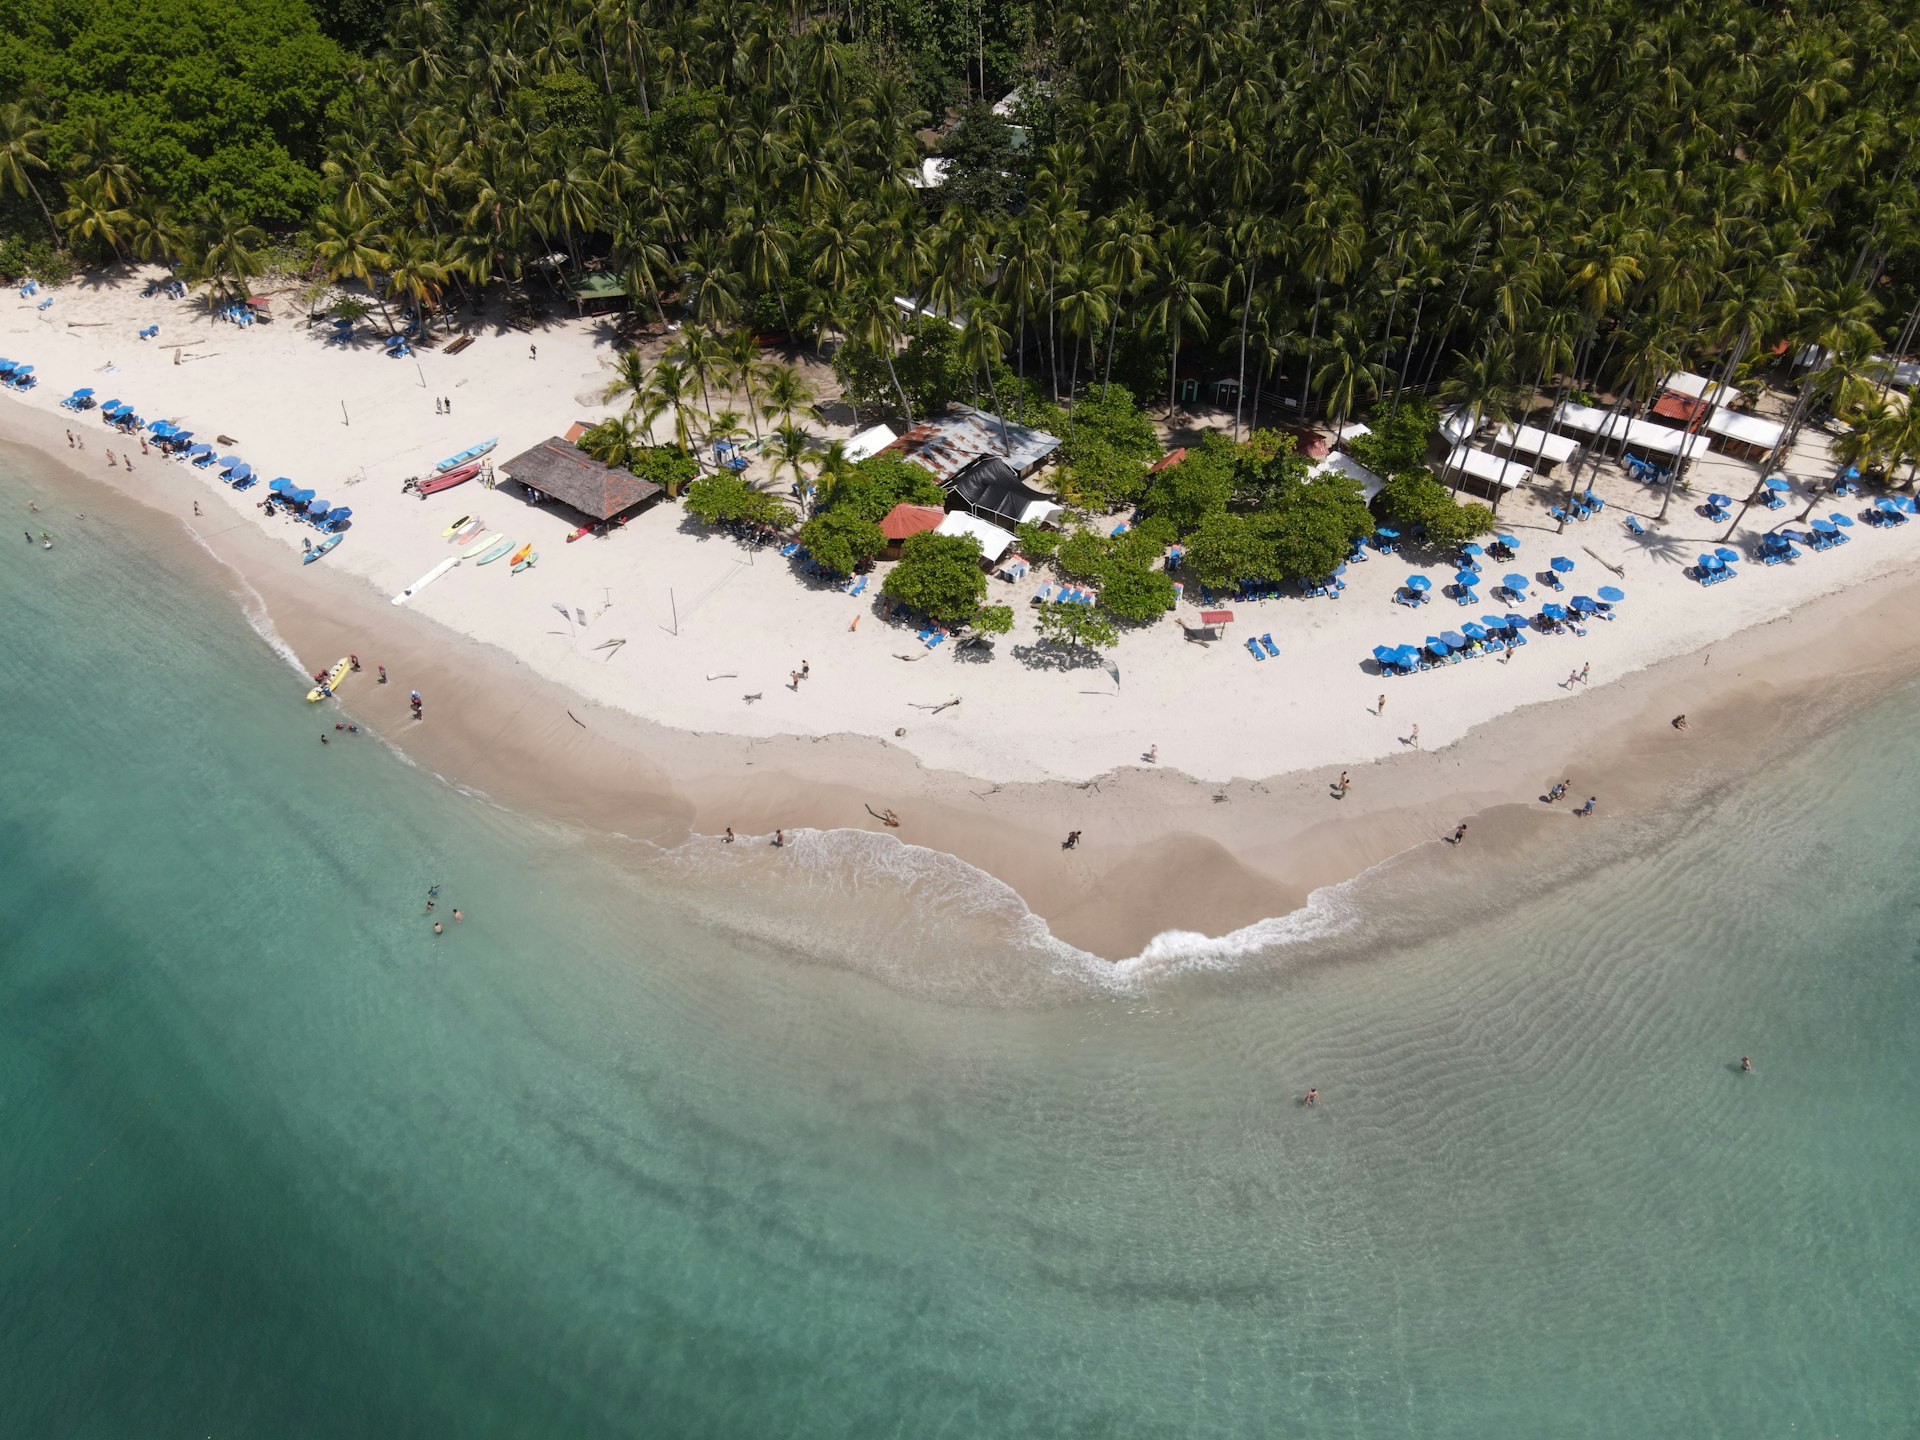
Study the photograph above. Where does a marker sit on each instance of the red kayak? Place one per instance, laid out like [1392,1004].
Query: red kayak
[437,483]
[583,530]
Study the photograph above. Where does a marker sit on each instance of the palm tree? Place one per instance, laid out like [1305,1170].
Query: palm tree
[876,325]
[153,233]
[790,446]
[228,251]
[92,215]
[669,389]
[348,249]
[787,393]
[415,272]
[22,139]
[744,369]
[1486,387]
[1181,295]
[632,379]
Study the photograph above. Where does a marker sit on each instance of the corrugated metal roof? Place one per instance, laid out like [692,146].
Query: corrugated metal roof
[949,443]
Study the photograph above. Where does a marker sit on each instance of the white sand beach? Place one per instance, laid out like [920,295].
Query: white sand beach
[707,623]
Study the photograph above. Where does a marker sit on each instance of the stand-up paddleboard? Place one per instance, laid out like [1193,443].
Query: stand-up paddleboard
[472,452]
[494,551]
[322,548]
[334,677]
[464,520]
[425,580]
[526,564]
[474,532]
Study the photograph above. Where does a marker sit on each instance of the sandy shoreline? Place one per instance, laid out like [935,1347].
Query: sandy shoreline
[645,744]
[1165,851]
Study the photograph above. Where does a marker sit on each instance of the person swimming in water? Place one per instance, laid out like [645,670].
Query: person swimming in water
[1746,1065]
[1313,1097]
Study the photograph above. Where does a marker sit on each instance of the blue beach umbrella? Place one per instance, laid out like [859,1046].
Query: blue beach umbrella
[1474,630]
[1515,583]
[1554,611]
[1775,482]
[1884,503]
[1471,549]
[1495,623]
[1585,604]
[340,514]
[1437,645]
[201,449]
[1826,527]
[229,462]
[300,497]
[1843,521]
[318,508]
[1386,654]
[86,394]
[1709,562]
[1717,501]
[241,472]
[1900,502]
[1727,555]
[1419,582]
[1385,533]
[1561,564]
[1465,578]
[1454,638]
[1508,541]
[1612,594]
[1518,622]
[162,428]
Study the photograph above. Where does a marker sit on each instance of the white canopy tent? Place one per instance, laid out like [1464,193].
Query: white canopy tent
[1340,463]
[1484,465]
[994,542]
[1641,435]
[1747,430]
[1541,449]
[1694,387]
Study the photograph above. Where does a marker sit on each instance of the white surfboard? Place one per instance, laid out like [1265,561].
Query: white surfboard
[425,580]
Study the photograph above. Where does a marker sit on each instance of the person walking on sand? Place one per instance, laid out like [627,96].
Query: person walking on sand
[1587,809]
[1584,668]
[1072,842]
[1573,679]
[383,674]
[127,460]
[1679,722]
[1380,706]
[533,352]
[779,839]
[805,669]
[69,439]
[1342,784]
[196,507]
[1153,755]
[1414,738]
[793,683]
[1459,832]
[110,459]
[729,839]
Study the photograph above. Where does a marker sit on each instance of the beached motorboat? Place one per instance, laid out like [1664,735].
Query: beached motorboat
[494,551]
[314,552]
[334,677]
[472,452]
[435,484]
[462,521]
[526,564]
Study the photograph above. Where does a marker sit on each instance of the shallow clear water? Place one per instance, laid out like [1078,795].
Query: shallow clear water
[278,1161]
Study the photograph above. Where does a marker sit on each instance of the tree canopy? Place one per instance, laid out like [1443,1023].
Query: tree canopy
[938,576]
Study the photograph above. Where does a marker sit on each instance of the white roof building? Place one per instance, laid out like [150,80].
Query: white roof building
[1340,463]
[994,542]
[1694,387]
[1539,448]
[1640,434]
[1745,429]
[869,443]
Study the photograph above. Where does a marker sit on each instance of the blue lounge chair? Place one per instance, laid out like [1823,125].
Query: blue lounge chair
[858,586]
[1042,595]
[1253,648]
[1633,524]
[790,547]
[1266,643]
[938,636]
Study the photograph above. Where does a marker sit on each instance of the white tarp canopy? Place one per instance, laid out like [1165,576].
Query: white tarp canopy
[1351,432]
[1484,465]
[1339,463]
[1694,387]
[994,542]
[869,443]
[1041,512]
[1639,434]
[1747,429]
[1458,425]
[1530,441]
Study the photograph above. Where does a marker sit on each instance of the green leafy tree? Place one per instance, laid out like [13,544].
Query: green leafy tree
[981,166]
[1226,549]
[1198,487]
[726,498]
[1411,502]
[880,482]
[938,576]
[842,540]
[1078,627]
[1037,542]
[671,467]
[1133,592]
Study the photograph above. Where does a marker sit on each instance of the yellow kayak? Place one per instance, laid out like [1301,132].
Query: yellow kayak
[334,677]
[520,554]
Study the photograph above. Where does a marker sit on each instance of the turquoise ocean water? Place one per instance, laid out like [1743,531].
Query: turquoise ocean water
[276,1161]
